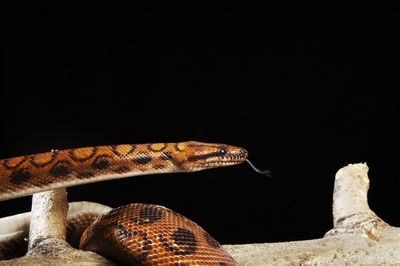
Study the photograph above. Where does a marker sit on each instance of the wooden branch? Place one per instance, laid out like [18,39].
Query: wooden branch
[358,236]
[47,245]
[48,219]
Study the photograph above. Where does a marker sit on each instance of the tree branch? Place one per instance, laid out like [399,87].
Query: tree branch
[358,236]
[47,245]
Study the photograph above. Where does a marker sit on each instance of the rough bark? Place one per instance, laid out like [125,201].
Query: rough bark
[358,236]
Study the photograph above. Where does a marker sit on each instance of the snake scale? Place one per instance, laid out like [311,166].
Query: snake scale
[137,233]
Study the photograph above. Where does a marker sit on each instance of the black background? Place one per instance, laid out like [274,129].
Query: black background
[305,88]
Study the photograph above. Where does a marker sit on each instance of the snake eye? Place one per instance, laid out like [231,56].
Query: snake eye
[222,152]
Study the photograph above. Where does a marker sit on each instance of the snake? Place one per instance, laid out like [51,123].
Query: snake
[134,234]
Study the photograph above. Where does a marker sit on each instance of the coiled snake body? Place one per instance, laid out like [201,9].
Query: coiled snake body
[135,233]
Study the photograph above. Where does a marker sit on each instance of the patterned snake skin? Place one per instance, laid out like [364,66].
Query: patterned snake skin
[136,233]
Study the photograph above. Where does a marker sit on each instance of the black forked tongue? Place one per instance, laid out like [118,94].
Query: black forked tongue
[266,172]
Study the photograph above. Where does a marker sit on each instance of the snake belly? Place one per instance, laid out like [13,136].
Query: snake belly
[137,233]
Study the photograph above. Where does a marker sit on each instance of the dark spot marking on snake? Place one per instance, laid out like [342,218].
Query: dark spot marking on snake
[165,243]
[53,157]
[151,213]
[101,162]
[121,169]
[184,238]
[45,181]
[20,176]
[114,149]
[73,157]
[121,232]
[166,155]
[7,166]
[177,163]
[159,166]
[147,215]
[210,240]
[142,158]
[84,174]
[177,146]
[61,168]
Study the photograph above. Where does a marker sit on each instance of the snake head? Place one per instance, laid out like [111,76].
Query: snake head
[209,155]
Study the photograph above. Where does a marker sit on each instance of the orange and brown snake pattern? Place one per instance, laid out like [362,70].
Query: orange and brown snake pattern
[136,233]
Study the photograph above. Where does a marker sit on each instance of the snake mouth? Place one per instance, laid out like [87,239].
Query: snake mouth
[232,158]
[223,158]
